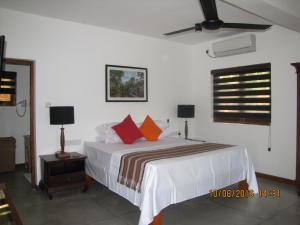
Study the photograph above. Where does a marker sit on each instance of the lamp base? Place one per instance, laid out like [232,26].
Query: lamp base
[62,155]
[186,130]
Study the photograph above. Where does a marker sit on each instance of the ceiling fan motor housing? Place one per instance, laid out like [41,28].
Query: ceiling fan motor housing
[212,24]
[198,27]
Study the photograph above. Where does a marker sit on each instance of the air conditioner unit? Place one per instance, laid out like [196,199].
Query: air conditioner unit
[235,46]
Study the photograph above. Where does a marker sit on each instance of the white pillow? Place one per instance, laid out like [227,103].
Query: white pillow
[162,124]
[107,133]
[100,138]
[168,133]
[103,128]
[112,137]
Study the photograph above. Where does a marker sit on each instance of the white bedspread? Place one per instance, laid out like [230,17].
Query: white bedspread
[169,181]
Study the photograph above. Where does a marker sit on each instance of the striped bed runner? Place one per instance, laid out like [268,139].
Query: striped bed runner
[133,164]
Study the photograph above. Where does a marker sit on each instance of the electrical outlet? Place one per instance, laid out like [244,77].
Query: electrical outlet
[47,104]
[168,120]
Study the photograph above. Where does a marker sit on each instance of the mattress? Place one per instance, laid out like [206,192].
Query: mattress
[169,181]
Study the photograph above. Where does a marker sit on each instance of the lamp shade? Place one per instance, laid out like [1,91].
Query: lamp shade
[186,111]
[60,115]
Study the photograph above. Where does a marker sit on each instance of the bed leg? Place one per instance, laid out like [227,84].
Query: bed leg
[87,183]
[157,219]
[243,185]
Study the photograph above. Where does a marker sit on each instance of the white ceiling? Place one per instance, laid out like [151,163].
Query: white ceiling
[281,12]
[146,17]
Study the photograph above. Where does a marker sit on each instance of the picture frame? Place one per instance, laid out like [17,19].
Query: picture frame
[126,84]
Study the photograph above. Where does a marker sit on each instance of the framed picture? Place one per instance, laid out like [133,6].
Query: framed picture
[126,84]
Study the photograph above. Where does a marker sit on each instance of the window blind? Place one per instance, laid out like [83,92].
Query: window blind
[8,88]
[242,94]
[8,82]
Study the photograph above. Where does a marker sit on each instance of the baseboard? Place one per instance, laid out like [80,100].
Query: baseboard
[19,165]
[35,187]
[275,178]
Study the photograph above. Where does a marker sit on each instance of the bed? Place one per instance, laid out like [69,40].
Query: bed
[172,180]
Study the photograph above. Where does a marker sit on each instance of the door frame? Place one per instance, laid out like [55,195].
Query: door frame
[31,64]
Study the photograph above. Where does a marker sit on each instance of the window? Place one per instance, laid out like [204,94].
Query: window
[8,88]
[242,94]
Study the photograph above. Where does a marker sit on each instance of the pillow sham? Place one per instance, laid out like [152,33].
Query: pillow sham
[103,128]
[100,138]
[127,130]
[112,137]
[169,133]
[149,129]
[163,125]
[108,134]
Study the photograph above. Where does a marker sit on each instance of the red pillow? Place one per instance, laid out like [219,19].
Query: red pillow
[127,130]
[150,130]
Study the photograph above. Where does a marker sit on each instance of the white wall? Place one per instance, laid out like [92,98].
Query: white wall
[11,124]
[70,63]
[280,47]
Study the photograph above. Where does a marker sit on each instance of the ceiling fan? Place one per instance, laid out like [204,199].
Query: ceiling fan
[212,21]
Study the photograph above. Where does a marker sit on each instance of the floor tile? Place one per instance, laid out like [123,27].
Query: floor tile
[114,221]
[289,216]
[259,206]
[221,215]
[132,217]
[116,204]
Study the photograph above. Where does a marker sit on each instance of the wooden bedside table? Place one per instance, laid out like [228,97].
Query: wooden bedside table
[60,174]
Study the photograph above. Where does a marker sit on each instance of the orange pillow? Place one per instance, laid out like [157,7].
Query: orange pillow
[150,130]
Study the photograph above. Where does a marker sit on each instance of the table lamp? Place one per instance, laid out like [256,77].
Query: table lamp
[186,111]
[61,115]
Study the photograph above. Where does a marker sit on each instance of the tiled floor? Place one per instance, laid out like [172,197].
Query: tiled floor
[100,206]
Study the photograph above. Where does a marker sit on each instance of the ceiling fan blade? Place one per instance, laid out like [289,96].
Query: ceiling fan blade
[246,26]
[209,9]
[180,31]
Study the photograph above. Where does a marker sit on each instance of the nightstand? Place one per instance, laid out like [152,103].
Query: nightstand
[60,174]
